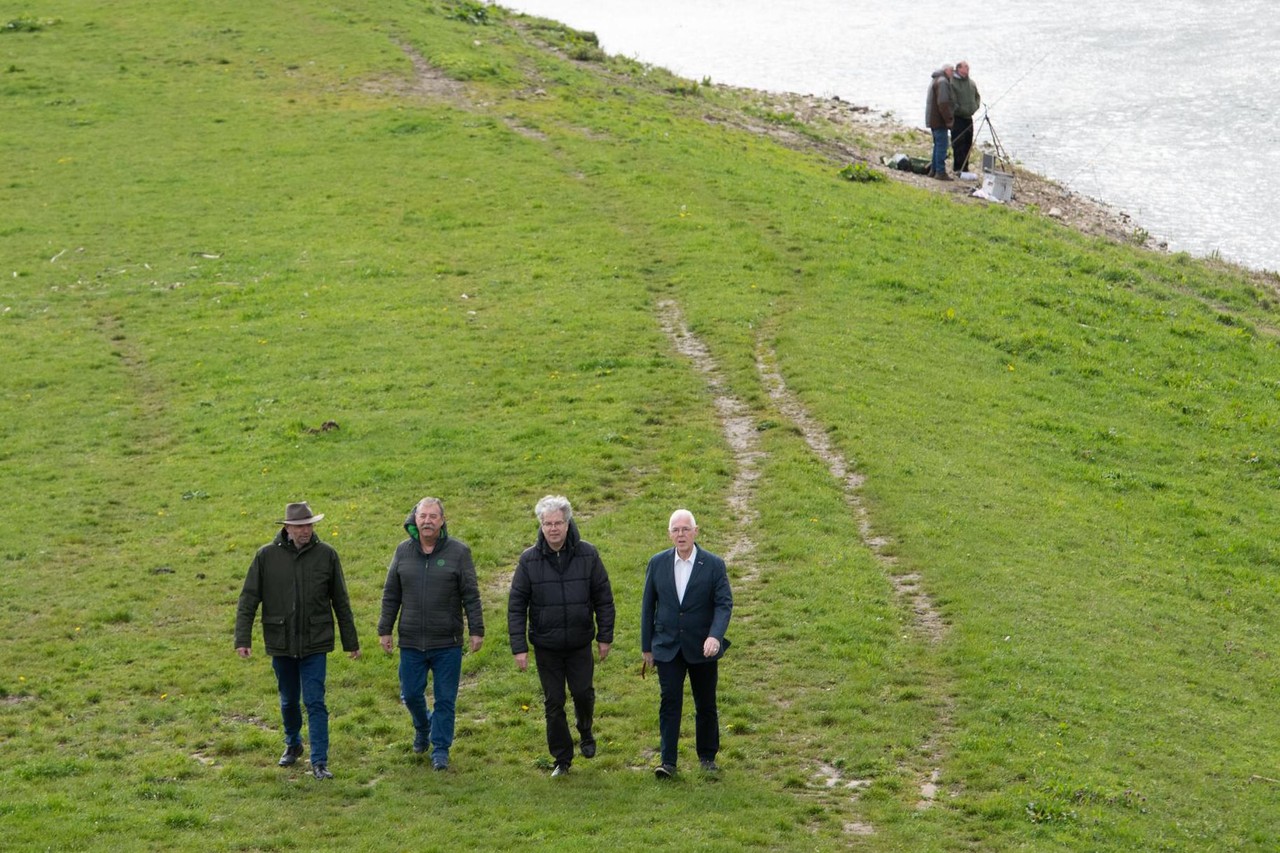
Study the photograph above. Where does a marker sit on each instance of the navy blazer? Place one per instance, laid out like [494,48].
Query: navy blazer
[668,625]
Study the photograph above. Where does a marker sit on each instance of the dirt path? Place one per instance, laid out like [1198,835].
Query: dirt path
[742,438]
[739,432]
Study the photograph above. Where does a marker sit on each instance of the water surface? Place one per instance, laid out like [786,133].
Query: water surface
[1165,111]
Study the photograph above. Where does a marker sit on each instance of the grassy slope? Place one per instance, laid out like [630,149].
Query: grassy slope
[1068,440]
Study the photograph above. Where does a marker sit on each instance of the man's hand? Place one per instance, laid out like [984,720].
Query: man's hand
[522,661]
[648,658]
[710,647]
[355,655]
[603,648]
[244,652]
[384,640]
[476,642]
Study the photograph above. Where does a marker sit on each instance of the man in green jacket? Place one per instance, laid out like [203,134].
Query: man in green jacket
[298,581]
[431,582]
[966,100]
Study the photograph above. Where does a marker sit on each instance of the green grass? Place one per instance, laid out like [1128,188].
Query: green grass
[224,229]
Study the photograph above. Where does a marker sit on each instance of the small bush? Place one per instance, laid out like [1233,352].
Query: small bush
[27,25]
[860,173]
[470,12]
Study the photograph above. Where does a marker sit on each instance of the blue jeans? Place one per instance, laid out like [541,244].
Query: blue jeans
[431,726]
[940,140]
[301,681]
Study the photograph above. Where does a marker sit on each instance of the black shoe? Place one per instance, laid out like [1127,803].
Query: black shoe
[440,764]
[560,770]
[588,749]
[664,771]
[321,772]
[419,746]
[709,765]
[291,755]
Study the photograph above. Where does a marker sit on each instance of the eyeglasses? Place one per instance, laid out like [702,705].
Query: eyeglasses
[554,524]
[678,530]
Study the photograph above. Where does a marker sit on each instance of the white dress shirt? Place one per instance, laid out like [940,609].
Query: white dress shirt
[684,568]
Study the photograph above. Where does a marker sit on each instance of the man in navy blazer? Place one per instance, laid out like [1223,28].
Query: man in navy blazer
[684,614]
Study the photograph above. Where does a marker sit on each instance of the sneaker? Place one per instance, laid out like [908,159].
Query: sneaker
[291,755]
[440,764]
[419,745]
[321,772]
[588,749]
[664,771]
[560,770]
[709,765]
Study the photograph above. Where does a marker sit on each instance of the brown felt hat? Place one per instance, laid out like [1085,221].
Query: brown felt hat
[299,513]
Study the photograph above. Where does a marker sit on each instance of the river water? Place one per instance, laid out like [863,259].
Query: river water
[1166,111]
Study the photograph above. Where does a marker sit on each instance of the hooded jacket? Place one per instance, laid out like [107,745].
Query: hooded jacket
[300,590]
[429,592]
[965,96]
[939,111]
[555,595]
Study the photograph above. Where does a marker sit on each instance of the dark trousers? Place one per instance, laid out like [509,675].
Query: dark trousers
[961,142]
[702,683]
[576,668]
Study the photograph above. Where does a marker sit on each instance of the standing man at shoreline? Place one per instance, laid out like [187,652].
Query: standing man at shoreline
[430,583]
[298,581]
[939,115]
[684,613]
[560,601]
[966,99]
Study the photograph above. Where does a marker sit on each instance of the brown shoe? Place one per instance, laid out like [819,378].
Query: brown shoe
[942,176]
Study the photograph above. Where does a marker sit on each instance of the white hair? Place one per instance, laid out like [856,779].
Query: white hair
[672,522]
[553,503]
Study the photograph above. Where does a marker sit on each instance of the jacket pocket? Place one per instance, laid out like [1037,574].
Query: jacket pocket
[320,631]
[275,632]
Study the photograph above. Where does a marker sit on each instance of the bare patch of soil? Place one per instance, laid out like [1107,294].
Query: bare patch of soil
[427,82]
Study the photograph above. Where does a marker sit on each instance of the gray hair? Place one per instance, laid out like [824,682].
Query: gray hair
[420,504]
[672,522]
[554,503]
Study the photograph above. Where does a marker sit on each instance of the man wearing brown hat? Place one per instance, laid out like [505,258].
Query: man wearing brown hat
[298,581]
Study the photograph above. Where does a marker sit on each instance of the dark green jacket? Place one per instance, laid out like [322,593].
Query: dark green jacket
[430,593]
[300,592]
[965,96]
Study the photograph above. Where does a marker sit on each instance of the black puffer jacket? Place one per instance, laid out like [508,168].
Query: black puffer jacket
[555,595]
[430,592]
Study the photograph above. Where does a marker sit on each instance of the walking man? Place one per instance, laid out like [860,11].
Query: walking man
[684,613]
[966,99]
[430,584]
[560,601]
[298,581]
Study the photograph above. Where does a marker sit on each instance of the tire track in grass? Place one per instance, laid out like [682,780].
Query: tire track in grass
[739,432]
[743,439]
[926,622]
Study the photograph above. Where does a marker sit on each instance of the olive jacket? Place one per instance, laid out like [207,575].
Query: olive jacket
[300,591]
